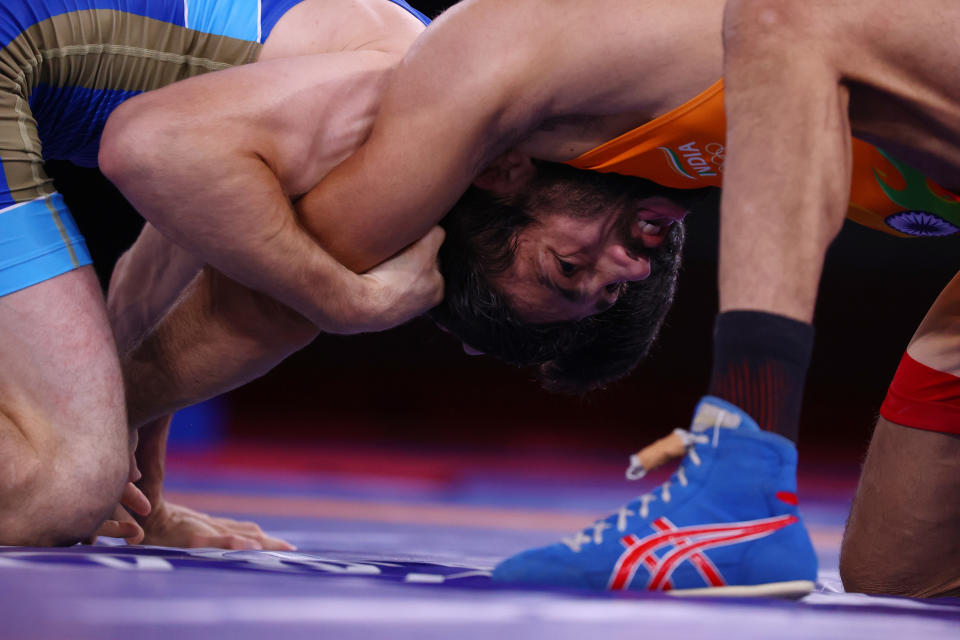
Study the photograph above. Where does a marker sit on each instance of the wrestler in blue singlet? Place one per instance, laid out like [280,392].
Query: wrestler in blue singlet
[65,65]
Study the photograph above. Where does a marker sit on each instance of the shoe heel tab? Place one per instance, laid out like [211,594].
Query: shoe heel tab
[712,412]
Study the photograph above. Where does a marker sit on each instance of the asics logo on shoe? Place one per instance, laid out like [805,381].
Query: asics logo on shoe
[687,544]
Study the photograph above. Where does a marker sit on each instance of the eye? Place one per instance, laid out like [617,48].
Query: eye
[566,268]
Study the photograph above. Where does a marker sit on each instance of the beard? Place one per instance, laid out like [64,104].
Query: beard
[574,357]
[584,194]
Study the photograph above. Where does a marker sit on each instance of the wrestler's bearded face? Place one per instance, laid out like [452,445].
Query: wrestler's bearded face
[586,238]
[529,270]
[571,265]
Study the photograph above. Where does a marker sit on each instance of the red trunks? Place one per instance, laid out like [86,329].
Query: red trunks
[923,398]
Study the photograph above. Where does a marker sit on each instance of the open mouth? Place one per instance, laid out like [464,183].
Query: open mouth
[653,222]
[655,227]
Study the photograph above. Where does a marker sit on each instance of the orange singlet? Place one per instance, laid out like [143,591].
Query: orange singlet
[684,149]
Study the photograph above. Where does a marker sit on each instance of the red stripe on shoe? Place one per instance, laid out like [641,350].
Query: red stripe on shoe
[788,496]
[626,566]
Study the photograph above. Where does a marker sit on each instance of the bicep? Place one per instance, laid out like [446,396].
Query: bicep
[393,189]
[275,108]
[460,97]
[182,130]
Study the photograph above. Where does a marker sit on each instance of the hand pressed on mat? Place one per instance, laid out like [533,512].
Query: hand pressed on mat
[173,525]
[165,524]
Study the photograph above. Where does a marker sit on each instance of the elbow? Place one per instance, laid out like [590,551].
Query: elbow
[128,146]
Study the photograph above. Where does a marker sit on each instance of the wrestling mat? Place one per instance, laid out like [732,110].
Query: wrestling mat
[399,545]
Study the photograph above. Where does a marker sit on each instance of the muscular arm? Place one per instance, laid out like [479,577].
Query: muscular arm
[444,118]
[218,336]
[477,82]
[257,135]
[480,80]
[296,118]
[787,177]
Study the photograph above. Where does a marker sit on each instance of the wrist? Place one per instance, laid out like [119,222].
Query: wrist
[151,486]
[347,308]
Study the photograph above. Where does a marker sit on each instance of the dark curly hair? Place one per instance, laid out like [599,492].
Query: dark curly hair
[575,356]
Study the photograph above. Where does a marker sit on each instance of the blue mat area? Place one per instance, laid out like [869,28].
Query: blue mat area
[412,560]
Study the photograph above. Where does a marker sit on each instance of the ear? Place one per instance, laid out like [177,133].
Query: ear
[467,349]
[507,174]
[470,351]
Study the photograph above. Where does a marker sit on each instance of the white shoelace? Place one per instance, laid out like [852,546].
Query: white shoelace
[594,533]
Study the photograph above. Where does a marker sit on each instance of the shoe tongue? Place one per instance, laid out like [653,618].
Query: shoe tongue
[713,412]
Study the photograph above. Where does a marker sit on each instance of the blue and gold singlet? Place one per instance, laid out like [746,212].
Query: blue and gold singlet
[65,65]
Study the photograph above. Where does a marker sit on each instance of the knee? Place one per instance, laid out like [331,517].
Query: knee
[861,573]
[860,578]
[900,538]
[90,486]
[59,493]
[895,565]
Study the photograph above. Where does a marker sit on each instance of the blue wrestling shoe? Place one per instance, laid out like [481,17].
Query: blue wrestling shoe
[726,523]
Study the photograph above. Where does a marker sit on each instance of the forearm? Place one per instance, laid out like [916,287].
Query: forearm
[258,243]
[218,335]
[452,106]
[185,335]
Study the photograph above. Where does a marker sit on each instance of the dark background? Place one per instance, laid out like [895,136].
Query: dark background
[413,386]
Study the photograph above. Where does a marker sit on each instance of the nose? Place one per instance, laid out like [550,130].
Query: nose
[618,265]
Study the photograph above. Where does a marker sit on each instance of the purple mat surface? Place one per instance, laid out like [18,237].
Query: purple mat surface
[408,556]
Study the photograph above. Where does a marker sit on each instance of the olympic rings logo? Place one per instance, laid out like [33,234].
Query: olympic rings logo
[716,152]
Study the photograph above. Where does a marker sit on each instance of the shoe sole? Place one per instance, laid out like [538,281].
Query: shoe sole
[792,589]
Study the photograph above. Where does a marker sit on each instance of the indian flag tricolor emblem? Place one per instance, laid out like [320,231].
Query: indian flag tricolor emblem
[674,161]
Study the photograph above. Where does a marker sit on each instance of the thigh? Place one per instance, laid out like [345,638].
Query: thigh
[925,391]
[63,434]
[903,536]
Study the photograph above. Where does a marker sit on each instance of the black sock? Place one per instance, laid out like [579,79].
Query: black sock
[760,363]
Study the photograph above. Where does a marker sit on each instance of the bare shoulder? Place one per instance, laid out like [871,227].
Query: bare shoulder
[592,58]
[526,56]
[321,26]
